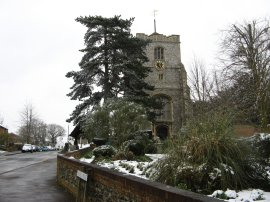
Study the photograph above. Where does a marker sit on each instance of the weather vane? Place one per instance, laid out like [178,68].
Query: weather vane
[155,11]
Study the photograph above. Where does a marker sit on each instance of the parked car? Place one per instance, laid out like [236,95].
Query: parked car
[35,148]
[44,148]
[27,148]
[38,149]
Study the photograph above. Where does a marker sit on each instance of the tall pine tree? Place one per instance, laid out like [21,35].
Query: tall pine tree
[112,65]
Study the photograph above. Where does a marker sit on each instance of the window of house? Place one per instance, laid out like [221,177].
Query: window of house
[159,53]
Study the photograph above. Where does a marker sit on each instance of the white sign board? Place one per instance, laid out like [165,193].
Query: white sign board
[82,175]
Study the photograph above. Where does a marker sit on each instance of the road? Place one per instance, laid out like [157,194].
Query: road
[28,177]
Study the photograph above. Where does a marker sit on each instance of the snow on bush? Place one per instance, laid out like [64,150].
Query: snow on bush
[104,150]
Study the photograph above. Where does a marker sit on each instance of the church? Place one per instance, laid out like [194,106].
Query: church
[170,80]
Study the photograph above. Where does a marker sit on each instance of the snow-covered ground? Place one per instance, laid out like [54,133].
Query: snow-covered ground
[244,195]
[141,169]
[135,168]
[81,146]
[2,151]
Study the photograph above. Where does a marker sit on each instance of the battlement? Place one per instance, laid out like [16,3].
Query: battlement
[159,37]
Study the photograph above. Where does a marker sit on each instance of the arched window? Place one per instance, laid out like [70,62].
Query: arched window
[159,53]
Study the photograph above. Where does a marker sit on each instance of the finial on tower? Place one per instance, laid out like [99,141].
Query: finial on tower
[155,30]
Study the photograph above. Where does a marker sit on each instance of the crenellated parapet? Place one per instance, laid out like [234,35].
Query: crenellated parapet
[159,37]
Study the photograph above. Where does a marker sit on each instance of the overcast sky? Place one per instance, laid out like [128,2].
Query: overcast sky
[39,43]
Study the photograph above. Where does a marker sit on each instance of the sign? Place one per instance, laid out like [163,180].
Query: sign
[82,175]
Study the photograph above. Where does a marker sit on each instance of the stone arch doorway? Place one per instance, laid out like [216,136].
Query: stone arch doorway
[162,131]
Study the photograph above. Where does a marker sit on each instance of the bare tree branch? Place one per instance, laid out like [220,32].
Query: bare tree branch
[54,131]
[246,53]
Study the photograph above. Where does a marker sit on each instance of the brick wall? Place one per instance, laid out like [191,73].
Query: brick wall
[78,153]
[107,185]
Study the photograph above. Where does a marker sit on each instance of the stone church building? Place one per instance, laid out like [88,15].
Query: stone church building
[170,80]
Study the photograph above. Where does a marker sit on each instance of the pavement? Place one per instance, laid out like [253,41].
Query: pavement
[10,153]
[36,182]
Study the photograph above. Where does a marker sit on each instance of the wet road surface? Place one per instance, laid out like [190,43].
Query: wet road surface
[30,177]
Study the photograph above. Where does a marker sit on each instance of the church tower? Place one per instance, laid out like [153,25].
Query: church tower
[170,80]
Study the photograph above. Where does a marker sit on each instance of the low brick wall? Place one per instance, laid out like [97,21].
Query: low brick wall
[78,153]
[107,185]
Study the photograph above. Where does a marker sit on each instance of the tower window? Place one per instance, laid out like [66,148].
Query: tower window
[159,53]
[160,76]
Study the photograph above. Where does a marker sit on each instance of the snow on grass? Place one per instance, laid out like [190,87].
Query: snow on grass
[231,194]
[127,167]
[81,146]
[264,136]
[87,160]
[250,195]
[1,152]
[144,170]
[134,168]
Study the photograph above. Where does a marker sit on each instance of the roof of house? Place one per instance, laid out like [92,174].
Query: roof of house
[14,135]
[3,127]
[77,132]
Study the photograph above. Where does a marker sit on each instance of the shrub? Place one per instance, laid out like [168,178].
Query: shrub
[209,157]
[144,138]
[120,155]
[88,155]
[115,120]
[99,141]
[258,162]
[140,135]
[129,156]
[135,146]
[151,148]
[104,150]
[262,144]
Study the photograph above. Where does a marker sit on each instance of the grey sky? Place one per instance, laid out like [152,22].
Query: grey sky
[39,43]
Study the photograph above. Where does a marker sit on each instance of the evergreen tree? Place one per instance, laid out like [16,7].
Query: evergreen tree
[117,118]
[112,65]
